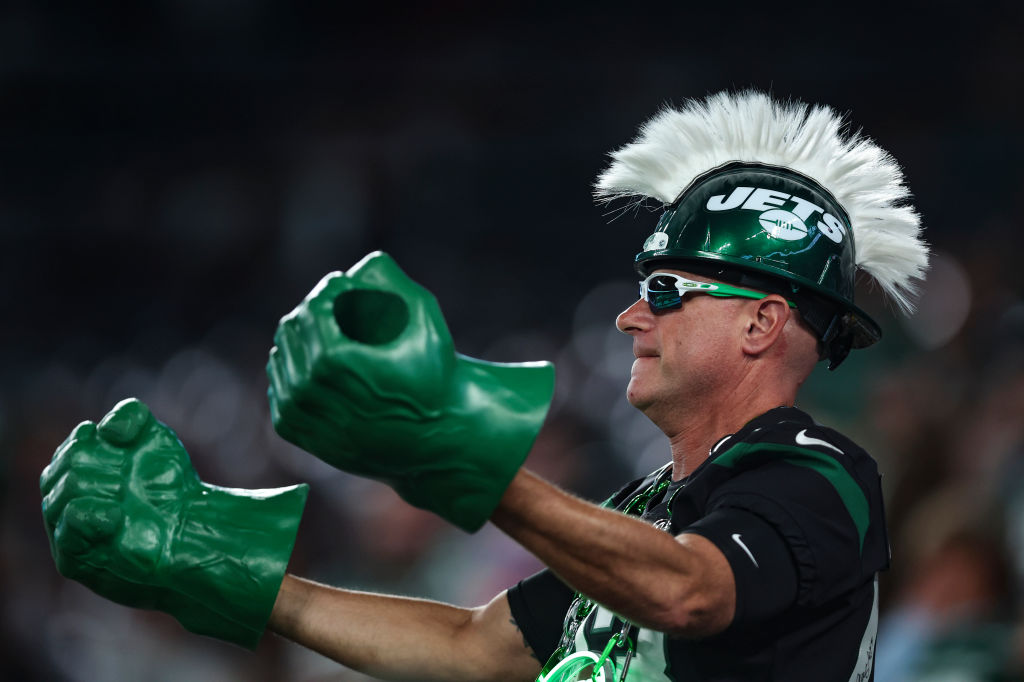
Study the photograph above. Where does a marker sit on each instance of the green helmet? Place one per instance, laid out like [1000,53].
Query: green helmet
[770,228]
[769,195]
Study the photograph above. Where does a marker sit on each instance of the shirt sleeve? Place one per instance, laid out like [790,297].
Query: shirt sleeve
[762,567]
[539,604]
[821,516]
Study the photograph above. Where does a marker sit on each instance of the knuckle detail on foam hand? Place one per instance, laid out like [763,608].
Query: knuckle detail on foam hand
[321,369]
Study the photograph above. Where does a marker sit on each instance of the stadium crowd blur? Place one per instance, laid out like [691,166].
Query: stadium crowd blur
[176,176]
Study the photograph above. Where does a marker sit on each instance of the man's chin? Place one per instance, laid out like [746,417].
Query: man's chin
[638,398]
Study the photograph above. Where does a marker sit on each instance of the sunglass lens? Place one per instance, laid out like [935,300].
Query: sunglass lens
[663,294]
[664,300]
[662,284]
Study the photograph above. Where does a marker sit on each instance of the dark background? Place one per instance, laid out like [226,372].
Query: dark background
[175,176]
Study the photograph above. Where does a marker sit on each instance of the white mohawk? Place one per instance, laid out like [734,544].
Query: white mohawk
[677,145]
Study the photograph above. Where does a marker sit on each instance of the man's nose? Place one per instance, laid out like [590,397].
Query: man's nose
[635,318]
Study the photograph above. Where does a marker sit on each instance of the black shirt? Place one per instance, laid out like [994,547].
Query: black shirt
[797,510]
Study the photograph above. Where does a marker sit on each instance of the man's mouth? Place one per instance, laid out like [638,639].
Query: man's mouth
[645,353]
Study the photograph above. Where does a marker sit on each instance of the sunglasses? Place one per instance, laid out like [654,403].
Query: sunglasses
[665,291]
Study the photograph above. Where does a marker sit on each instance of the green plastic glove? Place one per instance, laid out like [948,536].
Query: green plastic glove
[364,375]
[128,517]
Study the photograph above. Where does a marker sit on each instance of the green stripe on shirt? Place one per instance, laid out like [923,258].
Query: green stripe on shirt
[849,492]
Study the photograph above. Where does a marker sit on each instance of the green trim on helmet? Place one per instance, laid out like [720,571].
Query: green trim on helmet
[772,221]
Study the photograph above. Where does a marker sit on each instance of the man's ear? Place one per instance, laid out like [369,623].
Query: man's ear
[766,318]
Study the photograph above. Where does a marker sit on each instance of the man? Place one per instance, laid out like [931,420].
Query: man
[751,555]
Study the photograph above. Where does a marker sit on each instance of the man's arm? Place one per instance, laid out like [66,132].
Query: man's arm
[397,638]
[681,585]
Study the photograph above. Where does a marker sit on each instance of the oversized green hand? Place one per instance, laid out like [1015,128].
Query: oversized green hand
[364,375]
[128,517]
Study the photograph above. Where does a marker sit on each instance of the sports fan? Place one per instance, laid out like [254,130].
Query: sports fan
[752,554]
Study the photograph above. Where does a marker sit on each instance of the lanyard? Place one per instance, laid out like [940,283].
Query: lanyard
[582,606]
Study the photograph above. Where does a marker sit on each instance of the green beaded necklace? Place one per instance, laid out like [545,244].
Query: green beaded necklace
[561,669]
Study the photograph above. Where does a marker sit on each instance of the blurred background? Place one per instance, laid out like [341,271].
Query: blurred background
[176,175]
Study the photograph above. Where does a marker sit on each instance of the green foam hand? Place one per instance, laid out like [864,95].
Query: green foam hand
[128,517]
[364,375]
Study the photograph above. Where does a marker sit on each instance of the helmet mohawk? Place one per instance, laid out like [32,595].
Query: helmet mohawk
[678,145]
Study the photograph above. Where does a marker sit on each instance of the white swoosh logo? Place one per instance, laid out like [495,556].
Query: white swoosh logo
[736,539]
[803,439]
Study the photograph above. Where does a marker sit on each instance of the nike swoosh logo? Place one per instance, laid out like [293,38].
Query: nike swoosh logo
[736,539]
[803,439]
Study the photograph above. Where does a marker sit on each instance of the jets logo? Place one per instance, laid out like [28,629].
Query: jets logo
[783,216]
[783,225]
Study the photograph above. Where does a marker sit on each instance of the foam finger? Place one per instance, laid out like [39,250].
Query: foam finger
[63,491]
[286,414]
[294,347]
[125,422]
[92,459]
[83,431]
[378,269]
[86,523]
[61,460]
[279,391]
